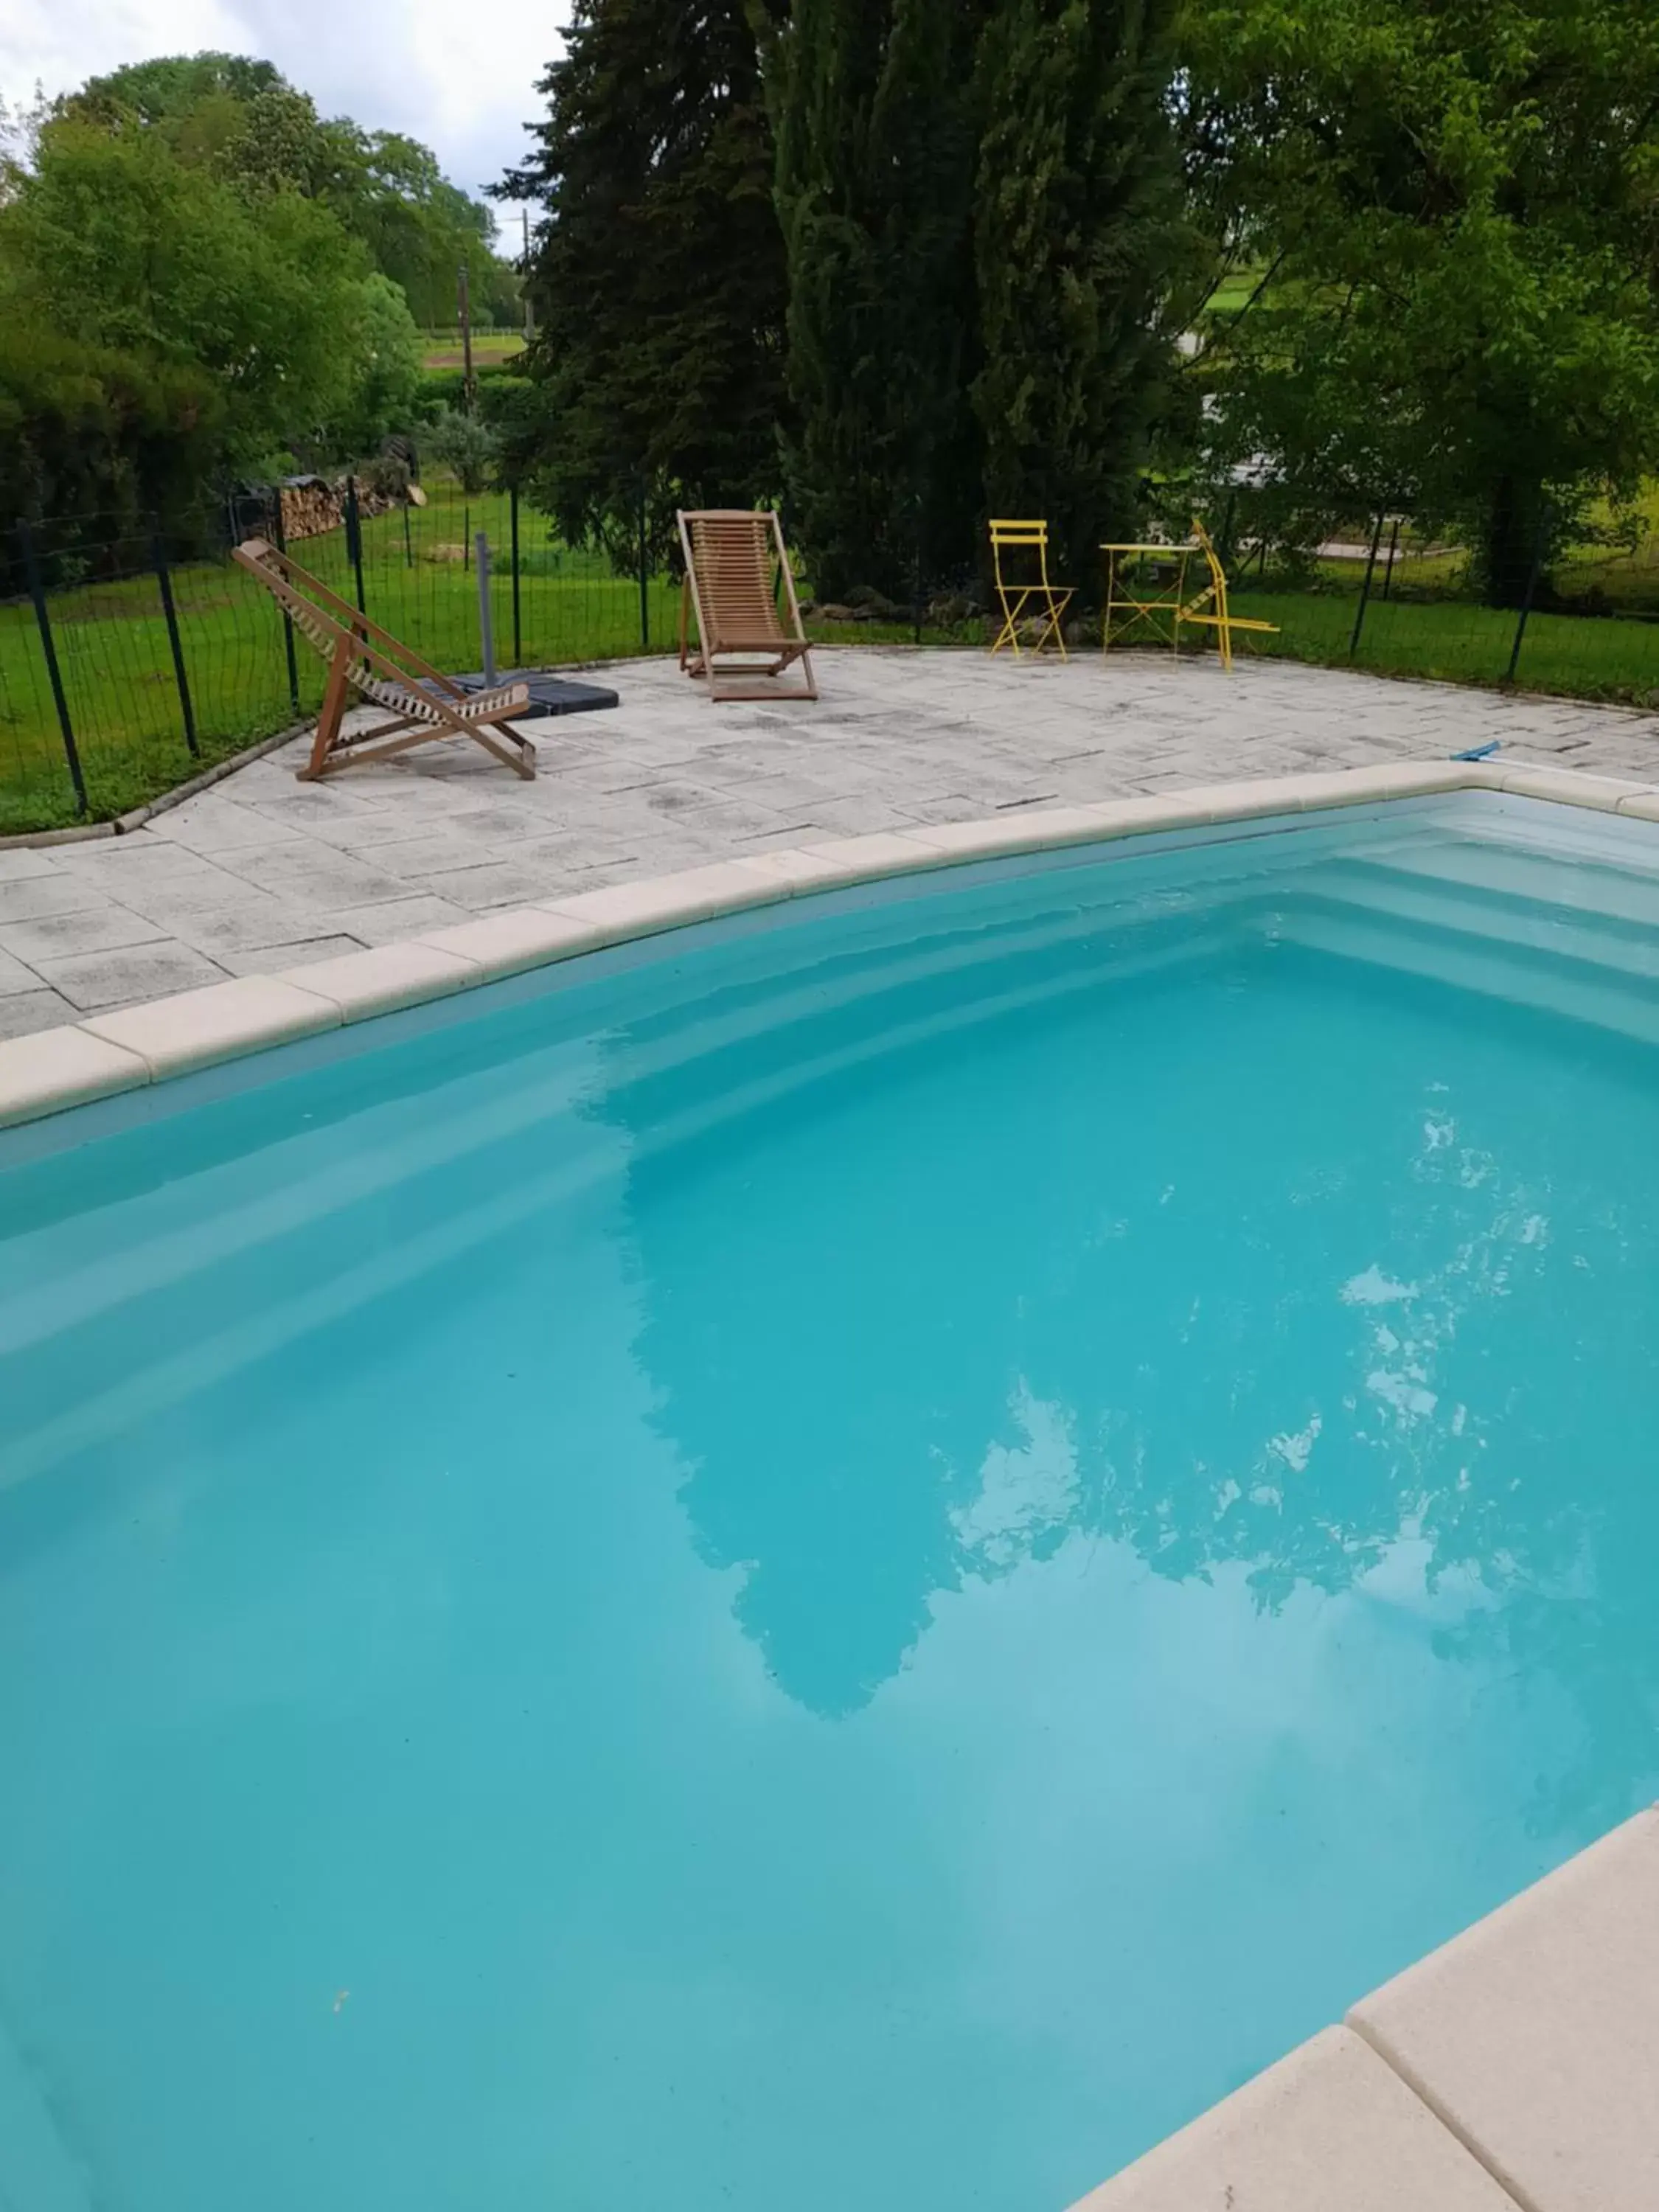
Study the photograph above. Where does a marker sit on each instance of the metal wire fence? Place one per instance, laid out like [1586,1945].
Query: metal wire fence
[133,661]
[137,661]
[1401,601]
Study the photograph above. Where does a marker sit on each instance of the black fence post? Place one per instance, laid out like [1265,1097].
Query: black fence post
[1527,596]
[915,581]
[159,555]
[513,527]
[71,754]
[355,540]
[1366,588]
[466,538]
[409,550]
[1393,547]
[1225,542]
[279,537]
[645,593]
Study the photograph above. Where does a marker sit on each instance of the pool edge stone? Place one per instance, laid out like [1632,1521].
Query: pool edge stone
[1328,2127]
[385,978]
[52,1070]
[220,1021]
[1534,2033]
[225,1021]
[514,939]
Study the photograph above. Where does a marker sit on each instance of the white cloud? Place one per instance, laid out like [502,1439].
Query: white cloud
[459,76]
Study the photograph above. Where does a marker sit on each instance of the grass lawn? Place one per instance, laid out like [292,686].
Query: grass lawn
[1463,642]
[443,350]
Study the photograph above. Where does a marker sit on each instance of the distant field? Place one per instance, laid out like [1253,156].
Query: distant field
[442,349]
[1231,294]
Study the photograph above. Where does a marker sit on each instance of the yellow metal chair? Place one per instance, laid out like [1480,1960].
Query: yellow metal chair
[1205,610]
[1048,602]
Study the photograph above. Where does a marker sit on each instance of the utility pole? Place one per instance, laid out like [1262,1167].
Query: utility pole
[469,382]
[529,310]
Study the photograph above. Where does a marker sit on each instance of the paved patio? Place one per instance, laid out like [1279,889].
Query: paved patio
[262,873]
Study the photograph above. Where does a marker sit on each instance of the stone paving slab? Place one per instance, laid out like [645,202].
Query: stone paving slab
[261,872]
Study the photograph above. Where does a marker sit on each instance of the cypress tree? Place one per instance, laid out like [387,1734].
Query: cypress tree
[873,112]
[657,277]
[1075,227]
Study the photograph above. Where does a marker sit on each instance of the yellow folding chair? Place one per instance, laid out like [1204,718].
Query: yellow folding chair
[1209,610]
[1020,540]
[1205,610]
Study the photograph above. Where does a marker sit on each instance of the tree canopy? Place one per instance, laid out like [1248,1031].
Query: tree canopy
[243,121]
[201,279]
[1455,204]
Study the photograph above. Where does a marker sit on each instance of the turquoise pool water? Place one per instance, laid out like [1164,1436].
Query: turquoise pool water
[859,1561]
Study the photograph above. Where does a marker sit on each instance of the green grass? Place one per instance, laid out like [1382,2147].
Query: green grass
[1233,291]
[1462,642]
[119,676]
[443,348]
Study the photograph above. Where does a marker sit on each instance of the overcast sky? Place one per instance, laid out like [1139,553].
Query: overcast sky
[459,74]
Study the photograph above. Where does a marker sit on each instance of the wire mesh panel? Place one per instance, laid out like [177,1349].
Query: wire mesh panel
[36,790]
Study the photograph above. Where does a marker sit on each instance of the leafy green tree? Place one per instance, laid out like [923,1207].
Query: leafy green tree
[1076,231]
[112,241]
[465,444]
[1452,204]
[875,118]
[97,439]
[383,347]
[657,277]
[180,330]
[165,92]
[240,118]
[390,191]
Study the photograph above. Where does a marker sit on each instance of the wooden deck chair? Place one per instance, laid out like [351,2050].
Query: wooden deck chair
[737,568]
[1048,602]
[364,658]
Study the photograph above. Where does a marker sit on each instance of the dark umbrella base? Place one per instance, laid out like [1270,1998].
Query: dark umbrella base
[549,694]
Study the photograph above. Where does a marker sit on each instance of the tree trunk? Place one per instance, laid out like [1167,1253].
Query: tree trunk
[1508,541]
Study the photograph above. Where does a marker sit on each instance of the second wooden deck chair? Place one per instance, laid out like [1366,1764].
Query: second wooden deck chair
[364,658]
[1013,546]
[737,569]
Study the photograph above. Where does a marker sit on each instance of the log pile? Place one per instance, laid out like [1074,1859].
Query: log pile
[313,505]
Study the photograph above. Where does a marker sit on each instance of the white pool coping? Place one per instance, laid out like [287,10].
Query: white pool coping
[104,1054]
[1515,2070]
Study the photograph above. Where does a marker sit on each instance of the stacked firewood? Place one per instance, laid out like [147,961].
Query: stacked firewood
[312,505]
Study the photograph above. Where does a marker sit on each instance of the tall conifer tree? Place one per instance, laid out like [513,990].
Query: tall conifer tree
[1075,223]
[657,277]
[873,111]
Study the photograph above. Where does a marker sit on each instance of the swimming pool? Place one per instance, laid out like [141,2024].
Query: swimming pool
[854,1557]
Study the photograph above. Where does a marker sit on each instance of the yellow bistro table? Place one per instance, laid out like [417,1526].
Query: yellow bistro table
[1162,610]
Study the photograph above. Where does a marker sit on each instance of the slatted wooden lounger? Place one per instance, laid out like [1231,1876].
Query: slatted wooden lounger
[365,659]
[736,570]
